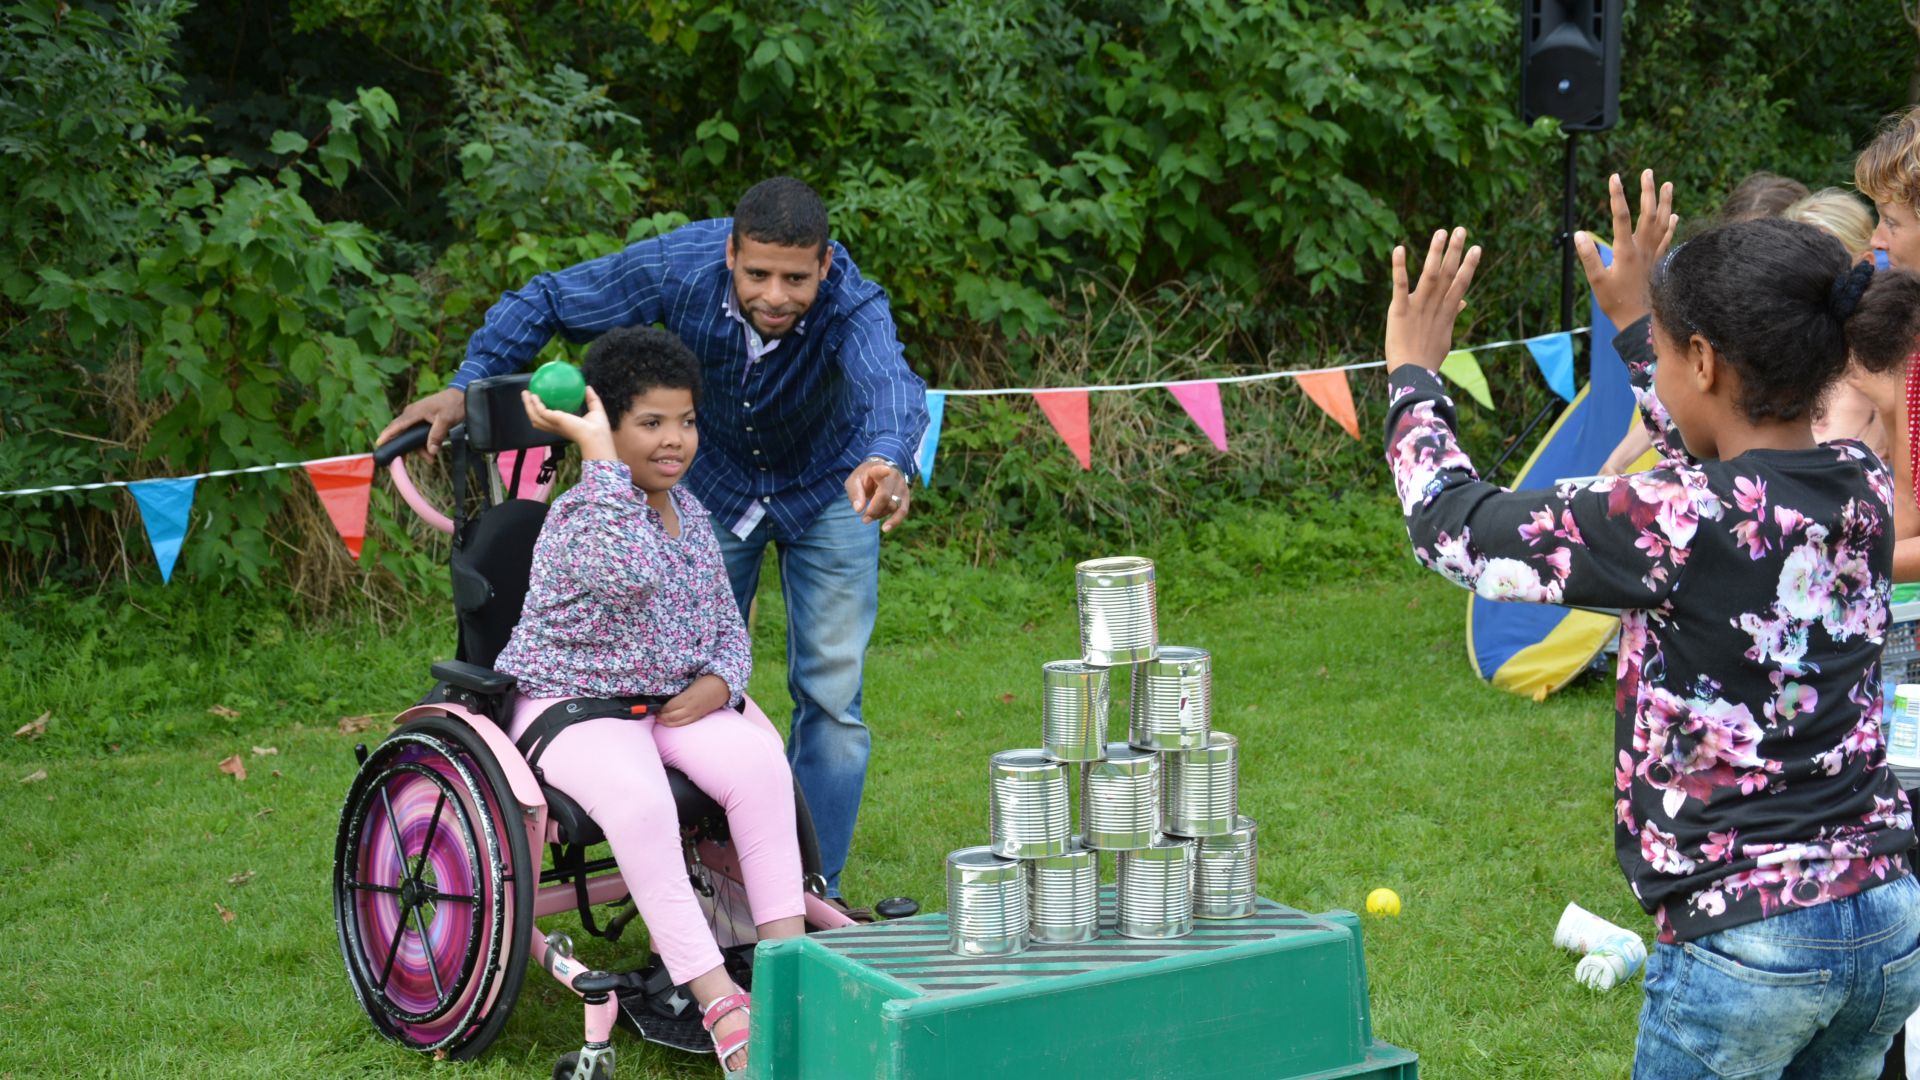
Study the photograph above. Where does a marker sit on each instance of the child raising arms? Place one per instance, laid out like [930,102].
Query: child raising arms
[1755,817]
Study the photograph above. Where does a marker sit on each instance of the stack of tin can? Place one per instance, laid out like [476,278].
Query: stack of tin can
[1164,801]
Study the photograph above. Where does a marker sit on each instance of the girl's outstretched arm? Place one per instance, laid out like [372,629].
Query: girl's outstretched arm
[1614,542]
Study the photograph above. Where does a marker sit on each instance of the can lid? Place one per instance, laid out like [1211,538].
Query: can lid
[1074,667]
[1024,759]
[1181,654]
[1120,753]
[980,858]
[1120,570]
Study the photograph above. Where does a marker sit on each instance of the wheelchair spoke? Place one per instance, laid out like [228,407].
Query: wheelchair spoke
[393,952]
[368,886]
[433,964]
[449,896]
[399,846]
[433,828]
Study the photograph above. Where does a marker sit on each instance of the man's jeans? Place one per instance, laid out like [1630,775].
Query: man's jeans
[830,577]
[1812,994]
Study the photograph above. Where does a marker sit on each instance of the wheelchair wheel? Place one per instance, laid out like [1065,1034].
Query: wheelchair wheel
[433,889]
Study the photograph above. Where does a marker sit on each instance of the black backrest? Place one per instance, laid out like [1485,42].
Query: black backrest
[496,419]
[492,561]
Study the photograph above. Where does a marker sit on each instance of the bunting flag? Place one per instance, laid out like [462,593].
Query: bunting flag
[1202,402]
[165,508]
[1329,390]
[930,439]
[1067,411]
[1464,370]
[343,486]
[1554,354]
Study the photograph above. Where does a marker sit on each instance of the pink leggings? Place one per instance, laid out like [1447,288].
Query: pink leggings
[614,769]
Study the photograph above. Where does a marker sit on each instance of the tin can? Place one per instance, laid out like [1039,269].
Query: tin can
[1120,800]
[1154,890]
[1225,873]
[1200,789]
[1063,896]
[1030,812]
[986,903]
[1172,701]
[1119,623]
[1073,710]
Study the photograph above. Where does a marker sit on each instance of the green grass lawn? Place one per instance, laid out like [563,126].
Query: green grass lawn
[1371,756]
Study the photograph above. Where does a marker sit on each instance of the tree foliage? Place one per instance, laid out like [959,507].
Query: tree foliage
[242,231]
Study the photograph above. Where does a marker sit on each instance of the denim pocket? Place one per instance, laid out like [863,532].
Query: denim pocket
[1899,993]
[1738,1018]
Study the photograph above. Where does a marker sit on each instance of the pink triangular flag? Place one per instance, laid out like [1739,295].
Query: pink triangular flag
[1202,402]
[1329,390]
[343,486]
[1067,411]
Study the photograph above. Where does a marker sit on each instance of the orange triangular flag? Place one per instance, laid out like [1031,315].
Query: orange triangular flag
[1329,390]
[343,486]
[1067,410]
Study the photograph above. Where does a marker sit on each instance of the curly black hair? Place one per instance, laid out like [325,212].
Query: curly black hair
[1786,305]
[784,212]
[625,363]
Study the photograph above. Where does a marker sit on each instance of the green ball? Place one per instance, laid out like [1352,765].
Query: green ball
[559,386]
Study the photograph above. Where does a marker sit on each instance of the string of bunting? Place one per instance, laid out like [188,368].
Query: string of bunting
[343,483]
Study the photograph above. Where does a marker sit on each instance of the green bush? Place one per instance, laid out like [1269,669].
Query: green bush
[214,253]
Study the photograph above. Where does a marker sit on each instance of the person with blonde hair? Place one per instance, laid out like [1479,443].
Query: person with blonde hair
[1845,412]
[1888,172]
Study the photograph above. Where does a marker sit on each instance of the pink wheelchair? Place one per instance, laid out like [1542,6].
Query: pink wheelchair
[437,877]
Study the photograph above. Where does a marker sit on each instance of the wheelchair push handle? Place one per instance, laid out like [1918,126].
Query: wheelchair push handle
[414,438]
[391,457]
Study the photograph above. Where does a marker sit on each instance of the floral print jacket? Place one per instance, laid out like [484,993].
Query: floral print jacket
[1750,773]
[619,607]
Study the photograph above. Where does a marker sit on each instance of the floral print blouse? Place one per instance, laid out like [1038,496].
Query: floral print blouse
[619,607]
[1750,773]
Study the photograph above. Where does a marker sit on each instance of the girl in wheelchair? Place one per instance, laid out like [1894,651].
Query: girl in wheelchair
[629,598]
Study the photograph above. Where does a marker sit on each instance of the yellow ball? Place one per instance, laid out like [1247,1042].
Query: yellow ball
[1383,902]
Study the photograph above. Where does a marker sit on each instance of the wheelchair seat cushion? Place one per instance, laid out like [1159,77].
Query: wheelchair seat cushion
[696,808]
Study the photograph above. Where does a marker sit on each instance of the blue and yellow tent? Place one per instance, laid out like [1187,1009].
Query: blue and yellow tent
[1535,649]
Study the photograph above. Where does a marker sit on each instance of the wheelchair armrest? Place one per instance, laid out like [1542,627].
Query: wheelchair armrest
[473,677]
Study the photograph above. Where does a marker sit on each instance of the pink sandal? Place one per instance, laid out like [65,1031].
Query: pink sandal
[719,1009]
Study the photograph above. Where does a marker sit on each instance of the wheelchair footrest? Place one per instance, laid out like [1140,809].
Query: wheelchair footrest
[681,1033]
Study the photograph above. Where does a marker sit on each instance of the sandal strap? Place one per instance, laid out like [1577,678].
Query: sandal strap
[721,1007]
[731,1045]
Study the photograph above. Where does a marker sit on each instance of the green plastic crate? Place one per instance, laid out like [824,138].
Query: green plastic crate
[1281,995]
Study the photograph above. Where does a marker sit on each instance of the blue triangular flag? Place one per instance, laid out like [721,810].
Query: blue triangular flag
[930,442]
[165,508]
[1554,354]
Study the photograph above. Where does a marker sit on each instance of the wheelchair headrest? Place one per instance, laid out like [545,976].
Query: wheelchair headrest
[497,421]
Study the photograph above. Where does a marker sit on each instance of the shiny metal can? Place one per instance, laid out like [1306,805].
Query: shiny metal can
[986,903]
[1154,890]
[1172,700]
[1119,622]
[1063,896]
[1120,800]
[1200,789]
[1073,708]
[1030,814]
[1226,873]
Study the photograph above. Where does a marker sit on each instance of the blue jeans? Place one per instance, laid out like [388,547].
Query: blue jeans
[1812,994]
[830,578]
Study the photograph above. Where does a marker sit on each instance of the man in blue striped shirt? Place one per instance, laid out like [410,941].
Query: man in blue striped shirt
[809,422]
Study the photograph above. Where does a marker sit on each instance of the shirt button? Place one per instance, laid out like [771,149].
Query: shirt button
[766,498]
[749,427]
[763,468]
[746,404]
[756,453]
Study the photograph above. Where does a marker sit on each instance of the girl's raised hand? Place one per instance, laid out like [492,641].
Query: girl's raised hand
[1420,323]
[1624,290]
[590,430]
